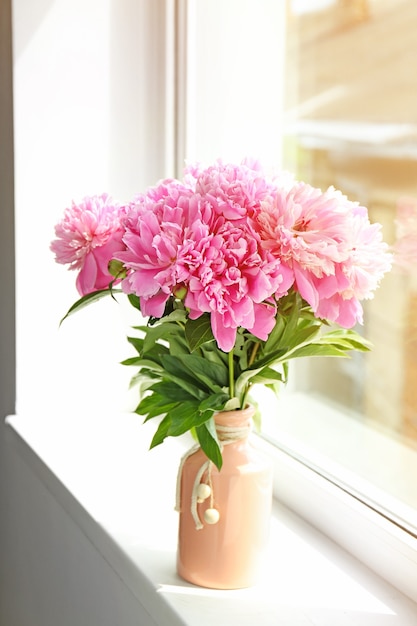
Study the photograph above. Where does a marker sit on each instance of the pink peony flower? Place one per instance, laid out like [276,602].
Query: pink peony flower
[87,238]
[233,191]
[230,241]
[357,277]
[156,226]
[179,240]
[228,275]
[337,256]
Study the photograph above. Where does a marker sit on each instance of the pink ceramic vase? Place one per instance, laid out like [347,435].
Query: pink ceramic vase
[225,553]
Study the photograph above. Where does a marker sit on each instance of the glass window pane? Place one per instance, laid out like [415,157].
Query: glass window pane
[351,121]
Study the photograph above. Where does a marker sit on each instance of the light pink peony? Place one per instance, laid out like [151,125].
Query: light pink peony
[337,256]
[87,238]
[233,191]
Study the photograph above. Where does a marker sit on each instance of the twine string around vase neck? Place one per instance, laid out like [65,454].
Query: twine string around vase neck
[226,435]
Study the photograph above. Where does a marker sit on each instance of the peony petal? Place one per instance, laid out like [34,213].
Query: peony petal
[305,285]
[264,320]
[285,280]
[86,279]
[225,336]
[154,306]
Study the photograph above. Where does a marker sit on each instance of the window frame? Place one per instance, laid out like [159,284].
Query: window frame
[344,515]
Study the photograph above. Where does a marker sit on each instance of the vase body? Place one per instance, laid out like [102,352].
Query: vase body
[227,554]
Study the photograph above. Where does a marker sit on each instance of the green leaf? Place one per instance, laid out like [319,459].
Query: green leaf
[273,357]
[303,335]
[142,328]
[212,374]
[178,315]
[137,343]
[263,375]
[134,300]
[154,406]
[90,298]
[178,345]
[171,391]
[157,332]
[210,352]
[185,416]
[138,361]
[198,332]
[178,373]
[132,360]
[275,335]
[245,353]
[147,404]
[143,380]
[207,438]
[292,323]
[348,337]
[317,349]
[161,432]
[214,402]
[267,376]
[157,353]
[275,388]
[232,404]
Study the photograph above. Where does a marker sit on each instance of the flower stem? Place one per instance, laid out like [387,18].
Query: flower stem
[253,353]
[250,362]
[231,374]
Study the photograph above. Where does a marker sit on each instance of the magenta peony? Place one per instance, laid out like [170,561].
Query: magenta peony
[156,228]
[228,275]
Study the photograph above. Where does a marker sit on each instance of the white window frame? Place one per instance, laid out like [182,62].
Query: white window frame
[343,513]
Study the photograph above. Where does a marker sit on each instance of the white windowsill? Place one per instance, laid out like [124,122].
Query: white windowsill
[371,463]
[122,498]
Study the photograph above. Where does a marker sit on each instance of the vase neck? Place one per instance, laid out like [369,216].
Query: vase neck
[233,426]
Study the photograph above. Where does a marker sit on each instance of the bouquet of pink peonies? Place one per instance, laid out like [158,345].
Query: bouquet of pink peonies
[237,271]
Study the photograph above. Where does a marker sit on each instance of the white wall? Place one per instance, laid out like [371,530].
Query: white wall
[90,116]
[94,112]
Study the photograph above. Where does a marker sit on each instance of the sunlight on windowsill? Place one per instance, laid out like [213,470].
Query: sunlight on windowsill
[122,496]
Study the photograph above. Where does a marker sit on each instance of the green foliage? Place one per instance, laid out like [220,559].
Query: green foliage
[198,332]
[192,378]
[89,299]
[184,378]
